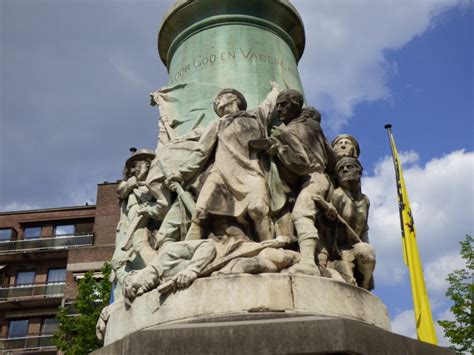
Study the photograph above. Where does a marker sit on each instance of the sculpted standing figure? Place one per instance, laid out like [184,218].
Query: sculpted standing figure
[170,157]
[302,148]
[236,183]
[299,148]
[137,207]
[343,145]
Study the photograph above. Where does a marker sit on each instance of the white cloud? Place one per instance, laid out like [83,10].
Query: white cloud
[345,62]
[437,271]
[404,324]
[120,63]
[446,314]
[441,199]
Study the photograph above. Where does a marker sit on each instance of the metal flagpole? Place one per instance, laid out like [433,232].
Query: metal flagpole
[424,321]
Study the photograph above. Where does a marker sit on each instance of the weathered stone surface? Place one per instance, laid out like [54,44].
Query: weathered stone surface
[338,299]
[240,295]
[294,335]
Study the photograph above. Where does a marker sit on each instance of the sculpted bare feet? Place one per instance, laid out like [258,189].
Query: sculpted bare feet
[324,272]
[304,269]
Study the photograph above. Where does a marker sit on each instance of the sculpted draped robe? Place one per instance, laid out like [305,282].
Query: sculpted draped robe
[237,176]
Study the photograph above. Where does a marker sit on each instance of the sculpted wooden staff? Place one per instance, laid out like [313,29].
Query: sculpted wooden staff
[248,250]
[325,206]
[184,195]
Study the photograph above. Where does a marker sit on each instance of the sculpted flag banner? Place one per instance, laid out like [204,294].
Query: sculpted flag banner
[177,115]
[424,321]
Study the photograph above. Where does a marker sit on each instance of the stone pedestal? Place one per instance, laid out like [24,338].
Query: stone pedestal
[248,297]
[258,314]
[293,335]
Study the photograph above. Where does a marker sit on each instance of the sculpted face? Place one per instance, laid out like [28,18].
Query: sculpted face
[348,172]
[287,110]
[225,104]
[139,169]
[344,147]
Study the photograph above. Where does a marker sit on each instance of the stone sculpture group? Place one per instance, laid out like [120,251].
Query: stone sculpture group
[242,190]
[258,191]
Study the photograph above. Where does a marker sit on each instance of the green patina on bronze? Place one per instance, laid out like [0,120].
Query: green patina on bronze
[208,45]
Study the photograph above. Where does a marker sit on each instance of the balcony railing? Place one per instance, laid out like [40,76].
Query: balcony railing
[46,243]
[31,342]
[34,290]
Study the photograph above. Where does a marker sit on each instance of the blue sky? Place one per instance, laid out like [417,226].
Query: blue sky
[75,78]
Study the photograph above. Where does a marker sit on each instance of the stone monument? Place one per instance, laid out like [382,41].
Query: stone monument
[245,231]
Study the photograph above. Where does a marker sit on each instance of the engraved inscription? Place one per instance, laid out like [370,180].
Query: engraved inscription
[205,60]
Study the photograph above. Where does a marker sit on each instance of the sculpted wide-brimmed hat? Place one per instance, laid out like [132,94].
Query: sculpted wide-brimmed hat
[140,154]
[349,137]
[242,102]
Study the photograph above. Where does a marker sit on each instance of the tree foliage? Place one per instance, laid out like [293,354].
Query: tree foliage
[76,334]
[461,291]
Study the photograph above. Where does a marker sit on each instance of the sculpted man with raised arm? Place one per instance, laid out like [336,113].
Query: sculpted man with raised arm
[236,183]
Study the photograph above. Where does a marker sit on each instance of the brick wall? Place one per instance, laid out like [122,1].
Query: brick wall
[41,267]
[47,218]
[107,214]
[104,216]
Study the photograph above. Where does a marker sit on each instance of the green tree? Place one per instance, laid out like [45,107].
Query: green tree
[76,334]
[461,291]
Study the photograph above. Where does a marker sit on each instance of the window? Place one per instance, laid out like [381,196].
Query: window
[49,326]
[5,234]
[84,227]
[2,275]
[18,328]
[25,278]
[64,229]
[32,232]
[56,276]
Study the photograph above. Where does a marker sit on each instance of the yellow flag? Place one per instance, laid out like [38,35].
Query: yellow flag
[424,321]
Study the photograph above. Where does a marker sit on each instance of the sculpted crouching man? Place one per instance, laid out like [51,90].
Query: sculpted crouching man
[236,184]
[342,230]
[353,257]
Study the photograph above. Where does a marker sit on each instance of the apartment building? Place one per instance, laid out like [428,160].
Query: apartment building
[43,254]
